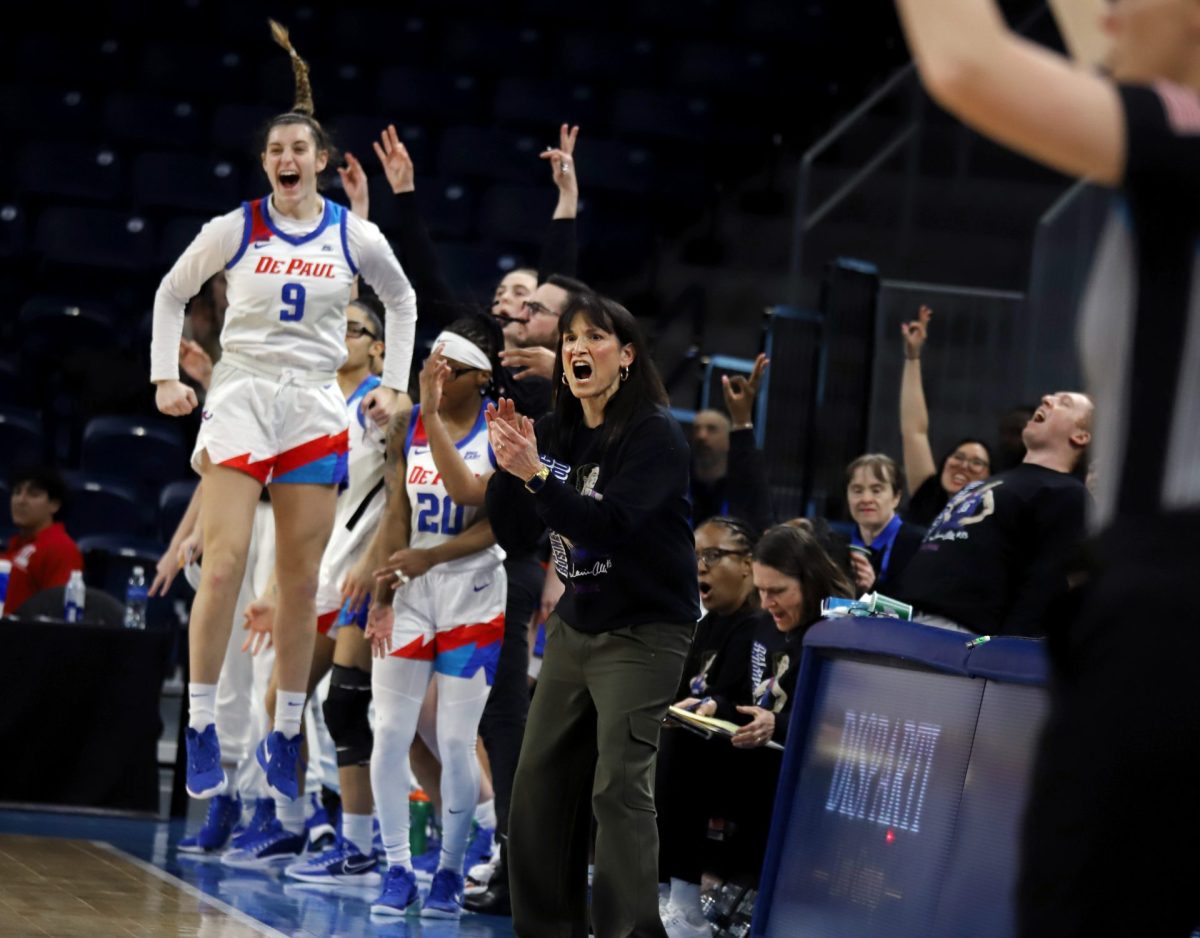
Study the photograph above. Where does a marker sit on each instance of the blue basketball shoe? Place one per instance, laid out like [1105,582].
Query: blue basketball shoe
[399,896]
[264,814]
[481,846]
[343,864]
[280,759]
[268,847]
[223,814]
[205,777]
[425,865]
[445,897]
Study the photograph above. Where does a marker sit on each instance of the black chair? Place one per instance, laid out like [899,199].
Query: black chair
[149,452]
[540,106]
[486,153]
[95,238]
[21,439]
[212,186]
[149,121]
[449,207]
[108,563]
[201,72]
[235,127]
[105,506]
[173,502]
[516,213]
[435,97]
[99,607]
[81,171]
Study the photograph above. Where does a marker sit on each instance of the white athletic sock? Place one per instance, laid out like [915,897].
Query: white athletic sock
[202,705]
[356,828]
[485,814]
[290,814]
[398,689]
[289,710]
[460,705]
[686,898]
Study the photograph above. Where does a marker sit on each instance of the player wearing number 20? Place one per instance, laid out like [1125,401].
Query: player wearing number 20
[274,413]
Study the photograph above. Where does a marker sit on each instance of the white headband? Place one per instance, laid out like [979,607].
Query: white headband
[462,350]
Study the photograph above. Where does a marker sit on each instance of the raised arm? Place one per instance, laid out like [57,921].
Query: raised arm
[1014,91]
[914,415]
[560,250]
[462,485]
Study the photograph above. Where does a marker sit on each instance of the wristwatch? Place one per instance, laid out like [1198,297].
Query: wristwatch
[538,479]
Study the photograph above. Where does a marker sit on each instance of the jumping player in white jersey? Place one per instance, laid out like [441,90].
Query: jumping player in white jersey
[444,624]
[274,414]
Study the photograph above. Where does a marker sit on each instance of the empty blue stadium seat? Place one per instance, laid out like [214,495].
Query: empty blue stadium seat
[541,106]
[356,133]
[436,97]
[21,440]
[518,214]
[616,58]
[93,237]
[53,112]
[150,452]
[487,153]
[475,270]
[449,207]
[177,234]
[720,69]
[92,61]
[185,182]
[611,165]
[172,504]
[52,327]
[150,121]
[235,127]
[13,239]
[662,115]
[215,73]
[70,170]
[478,45]
[104,506]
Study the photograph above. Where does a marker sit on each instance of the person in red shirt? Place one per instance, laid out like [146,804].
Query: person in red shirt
[42,553]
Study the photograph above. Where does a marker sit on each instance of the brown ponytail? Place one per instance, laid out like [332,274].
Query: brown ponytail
[304,99]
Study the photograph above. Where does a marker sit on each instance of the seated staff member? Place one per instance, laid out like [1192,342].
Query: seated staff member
[607,473]
[792,574]
[873,489]
[692,775]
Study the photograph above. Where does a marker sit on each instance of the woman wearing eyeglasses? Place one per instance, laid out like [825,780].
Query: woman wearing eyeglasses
[930,486]
[607,474]
[692,771]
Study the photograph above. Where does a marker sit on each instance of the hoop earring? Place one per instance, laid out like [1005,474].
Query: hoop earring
[625,373]
[564,378]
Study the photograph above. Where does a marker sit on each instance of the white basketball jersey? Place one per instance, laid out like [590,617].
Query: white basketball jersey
[436,518]
[288,293]
[365,461]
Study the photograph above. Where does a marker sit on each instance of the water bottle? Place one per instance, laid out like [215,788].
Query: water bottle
[5,570]
[135,600]
[74,597]
[419,810]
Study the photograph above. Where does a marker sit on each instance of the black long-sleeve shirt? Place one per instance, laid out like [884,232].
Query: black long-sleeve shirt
[768,675]
[716,662]
[619,526]
[995,559]
[743,492]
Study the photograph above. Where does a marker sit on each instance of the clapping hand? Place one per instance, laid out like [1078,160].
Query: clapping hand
[513,440]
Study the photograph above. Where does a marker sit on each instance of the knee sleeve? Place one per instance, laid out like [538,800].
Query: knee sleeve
[345,713]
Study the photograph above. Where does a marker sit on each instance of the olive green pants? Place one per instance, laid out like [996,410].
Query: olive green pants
[589,749]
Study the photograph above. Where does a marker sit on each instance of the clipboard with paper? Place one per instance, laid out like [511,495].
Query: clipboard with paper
[708,726]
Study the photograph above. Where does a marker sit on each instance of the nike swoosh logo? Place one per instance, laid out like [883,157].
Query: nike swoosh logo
[478,588]
[206,415]
[459,811]
[261,244]
[418,450]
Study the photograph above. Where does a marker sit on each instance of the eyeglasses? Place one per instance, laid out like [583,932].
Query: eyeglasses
[537,309]
[356,330]
[712,555]
[973,461]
